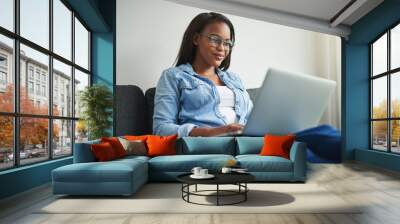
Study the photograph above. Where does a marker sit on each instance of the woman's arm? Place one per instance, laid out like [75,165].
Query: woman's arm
[198,131]
[166,107]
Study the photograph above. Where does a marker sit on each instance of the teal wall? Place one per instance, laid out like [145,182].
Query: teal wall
[356,99]
[102,58]
[99,15]
[103,50]
[24,178]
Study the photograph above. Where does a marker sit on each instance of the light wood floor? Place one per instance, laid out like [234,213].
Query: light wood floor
[378,188]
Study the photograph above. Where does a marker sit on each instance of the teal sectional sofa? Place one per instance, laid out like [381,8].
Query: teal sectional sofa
[125,176]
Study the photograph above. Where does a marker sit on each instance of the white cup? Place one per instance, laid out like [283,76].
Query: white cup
[196,170]
[226,170]
[203,172]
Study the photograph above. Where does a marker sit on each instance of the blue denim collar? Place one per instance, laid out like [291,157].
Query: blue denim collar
[187,67]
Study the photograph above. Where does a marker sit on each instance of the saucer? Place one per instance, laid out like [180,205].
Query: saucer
[208,176]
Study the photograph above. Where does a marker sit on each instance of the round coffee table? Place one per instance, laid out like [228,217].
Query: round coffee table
[238,179]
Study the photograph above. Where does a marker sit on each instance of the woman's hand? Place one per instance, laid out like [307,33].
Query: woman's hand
[206,132]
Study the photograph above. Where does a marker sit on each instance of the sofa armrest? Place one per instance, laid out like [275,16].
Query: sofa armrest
[298,157]
[83,152]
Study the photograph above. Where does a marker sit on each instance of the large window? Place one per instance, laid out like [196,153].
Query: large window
[44,64]
[385,91]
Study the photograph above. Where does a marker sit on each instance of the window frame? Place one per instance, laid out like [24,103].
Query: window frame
[388,74]
[16,115]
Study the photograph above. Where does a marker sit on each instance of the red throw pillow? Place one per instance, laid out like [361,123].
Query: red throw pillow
[277,145]
[116,145]
[161,145]
[103,151]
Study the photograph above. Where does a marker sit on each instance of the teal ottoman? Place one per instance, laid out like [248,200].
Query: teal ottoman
[118,177]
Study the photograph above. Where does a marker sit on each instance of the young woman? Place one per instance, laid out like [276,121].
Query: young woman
[199,97]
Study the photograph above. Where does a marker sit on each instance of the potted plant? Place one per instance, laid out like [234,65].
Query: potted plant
[96,104]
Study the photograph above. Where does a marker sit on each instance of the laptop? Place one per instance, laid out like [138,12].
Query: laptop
[287,103]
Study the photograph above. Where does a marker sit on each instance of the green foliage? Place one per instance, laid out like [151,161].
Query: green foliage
[96,102]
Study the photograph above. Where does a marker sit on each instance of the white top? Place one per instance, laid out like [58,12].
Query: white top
[227,104]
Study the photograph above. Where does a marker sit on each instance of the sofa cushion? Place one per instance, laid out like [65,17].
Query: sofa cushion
[257,163]
[277,145]
[112,171]
[116,145]
[206,145]
[130,111]
[83,152]
[249,145]
[161,145]
[134,147]
[133,158]
[184,163]
[103,152]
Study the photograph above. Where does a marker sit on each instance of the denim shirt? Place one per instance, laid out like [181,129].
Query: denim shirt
[184,100]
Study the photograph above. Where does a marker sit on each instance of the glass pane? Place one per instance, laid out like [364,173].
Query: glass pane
[395,94]
[379,135]
[81,45]
[81,81]
[62,138]
[7,14]
[34,97]
[379,55]
[395,135]
[33,139]
[35,21]
[379,97]
[62,89]
[6,74]
[81,131]
[6,142]
[395,47]
[62,29]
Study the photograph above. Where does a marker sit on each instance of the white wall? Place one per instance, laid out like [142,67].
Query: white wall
[149,35]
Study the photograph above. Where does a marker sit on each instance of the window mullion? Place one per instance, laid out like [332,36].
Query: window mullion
[16,83]
[73,82]
[389,112]
[50,81]
[371,137]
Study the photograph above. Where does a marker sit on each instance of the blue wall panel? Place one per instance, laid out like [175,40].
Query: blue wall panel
[24,178]
[356,99]
[102,58]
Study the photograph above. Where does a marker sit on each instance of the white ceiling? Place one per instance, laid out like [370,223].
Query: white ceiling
[314,15]
[319,9]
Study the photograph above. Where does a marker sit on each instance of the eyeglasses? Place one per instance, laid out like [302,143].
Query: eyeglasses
[216,41]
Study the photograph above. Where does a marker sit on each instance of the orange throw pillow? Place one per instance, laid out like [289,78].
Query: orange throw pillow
[103,151]
[161,145]
[277,145]
[116,145]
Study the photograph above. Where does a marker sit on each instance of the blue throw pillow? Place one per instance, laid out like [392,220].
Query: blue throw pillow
[323,142]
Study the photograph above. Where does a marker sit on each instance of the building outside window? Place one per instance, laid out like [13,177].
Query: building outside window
[38,89]
[3,78]
[43,90]
[37,74]
[30,87]
[30,72]
[43,77]
[3,61]
[3,72]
